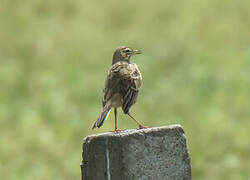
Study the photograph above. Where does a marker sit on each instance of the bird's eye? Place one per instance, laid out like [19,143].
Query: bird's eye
[127,50]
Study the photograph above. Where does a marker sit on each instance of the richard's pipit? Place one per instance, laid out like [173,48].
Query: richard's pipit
[122,85]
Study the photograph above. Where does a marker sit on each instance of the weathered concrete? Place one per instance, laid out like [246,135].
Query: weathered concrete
[152,153]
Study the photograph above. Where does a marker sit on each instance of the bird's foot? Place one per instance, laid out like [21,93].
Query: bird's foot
[116,130]
[142,127]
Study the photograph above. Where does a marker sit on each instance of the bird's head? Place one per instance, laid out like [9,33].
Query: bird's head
[124,53]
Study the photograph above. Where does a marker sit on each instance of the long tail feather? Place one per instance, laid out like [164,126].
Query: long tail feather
[104,115]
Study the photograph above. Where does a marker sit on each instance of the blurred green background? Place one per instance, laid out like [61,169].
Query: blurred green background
[54,57]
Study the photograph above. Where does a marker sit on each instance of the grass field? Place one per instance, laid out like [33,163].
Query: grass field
[54,57]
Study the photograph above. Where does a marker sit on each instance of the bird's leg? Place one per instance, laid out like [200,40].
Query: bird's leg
[140,126]
[116,129]
[115,111]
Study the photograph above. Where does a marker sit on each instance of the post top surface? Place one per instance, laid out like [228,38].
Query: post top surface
[127,132]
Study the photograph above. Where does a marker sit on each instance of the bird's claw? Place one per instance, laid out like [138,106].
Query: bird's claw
[142,127]
[116,130]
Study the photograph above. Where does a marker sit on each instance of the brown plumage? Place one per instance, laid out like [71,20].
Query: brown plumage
[122,85]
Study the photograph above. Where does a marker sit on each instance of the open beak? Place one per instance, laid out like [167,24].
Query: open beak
[137,52]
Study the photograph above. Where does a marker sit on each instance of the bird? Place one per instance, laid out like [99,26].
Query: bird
[121,86]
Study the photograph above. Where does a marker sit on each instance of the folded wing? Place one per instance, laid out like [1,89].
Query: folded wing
[126,80]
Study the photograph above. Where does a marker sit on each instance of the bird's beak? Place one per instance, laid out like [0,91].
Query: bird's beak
[137,52]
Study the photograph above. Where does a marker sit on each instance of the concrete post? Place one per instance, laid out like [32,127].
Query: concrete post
[153,153]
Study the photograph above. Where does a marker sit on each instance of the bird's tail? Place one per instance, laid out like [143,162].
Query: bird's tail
[104,115]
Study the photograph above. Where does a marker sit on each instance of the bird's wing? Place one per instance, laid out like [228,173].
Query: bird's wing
[125,79]
[132,82]
[112,83]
